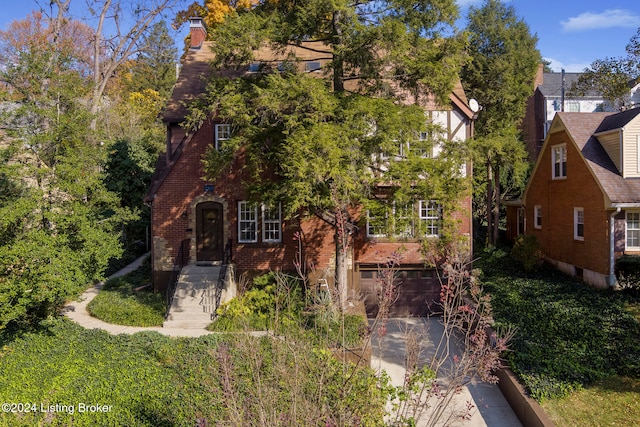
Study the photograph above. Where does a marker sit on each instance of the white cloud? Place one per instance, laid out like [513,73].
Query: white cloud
[465,3]
[576,67]
[477,3]
[607,19]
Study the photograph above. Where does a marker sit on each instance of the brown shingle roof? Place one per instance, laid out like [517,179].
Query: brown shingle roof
[196,69]
[191,82]
[581,127]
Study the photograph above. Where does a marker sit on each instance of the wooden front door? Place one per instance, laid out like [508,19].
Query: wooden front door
[209,232]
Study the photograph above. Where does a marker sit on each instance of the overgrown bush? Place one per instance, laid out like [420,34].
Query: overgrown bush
[526,250]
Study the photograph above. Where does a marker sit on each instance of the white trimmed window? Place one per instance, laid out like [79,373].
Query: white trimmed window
[403,221]
[633,230]
[559,161]
[578,223]
[247,222]
[223,133]
[430,214]
[271,223]
[377,222]
[537,216]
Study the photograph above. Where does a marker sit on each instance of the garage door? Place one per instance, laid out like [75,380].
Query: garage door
[418,292]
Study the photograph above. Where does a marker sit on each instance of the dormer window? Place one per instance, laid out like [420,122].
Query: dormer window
[312,66]
[223,133]
[559,161]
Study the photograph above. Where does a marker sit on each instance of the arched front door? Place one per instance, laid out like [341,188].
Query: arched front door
[209,232]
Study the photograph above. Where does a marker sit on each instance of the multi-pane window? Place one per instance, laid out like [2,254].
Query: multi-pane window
[421,147]
[223,132]
[578,223]
[430,213]
[633,230]
[271,223]
[559,161]
[377,222]
[247,222]
[537,216]
[404,222]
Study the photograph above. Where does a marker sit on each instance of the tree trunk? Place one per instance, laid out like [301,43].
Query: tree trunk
[338,64]
[342,288]
[489,211]
[342,252]
[496,203]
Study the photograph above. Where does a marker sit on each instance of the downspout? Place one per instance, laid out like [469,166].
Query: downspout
[611,277]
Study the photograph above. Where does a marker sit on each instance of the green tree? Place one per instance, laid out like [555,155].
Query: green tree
[327,146]
[500,76]
[58,222]
[155,66]
[612,77]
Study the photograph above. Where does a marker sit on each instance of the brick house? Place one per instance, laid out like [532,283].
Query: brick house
[197,221]
[582,202]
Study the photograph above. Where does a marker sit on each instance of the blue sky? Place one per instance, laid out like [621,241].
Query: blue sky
[572,34]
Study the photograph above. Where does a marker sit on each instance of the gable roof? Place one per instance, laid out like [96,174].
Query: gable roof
[581,129]
[552,85]
[617,121]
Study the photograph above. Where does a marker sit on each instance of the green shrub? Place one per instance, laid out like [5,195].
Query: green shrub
[274,301]
[628,271]
[526,250]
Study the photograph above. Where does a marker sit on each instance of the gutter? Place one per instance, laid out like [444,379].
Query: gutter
[611,277]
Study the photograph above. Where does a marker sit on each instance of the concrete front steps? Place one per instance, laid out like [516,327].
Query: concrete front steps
[194,301]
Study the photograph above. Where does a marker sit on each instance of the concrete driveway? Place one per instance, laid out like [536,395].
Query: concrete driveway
[490,407]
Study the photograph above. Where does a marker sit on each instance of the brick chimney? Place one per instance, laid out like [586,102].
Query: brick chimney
[198,32]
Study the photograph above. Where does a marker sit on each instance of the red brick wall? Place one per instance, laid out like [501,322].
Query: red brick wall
[185,182]
[558,199]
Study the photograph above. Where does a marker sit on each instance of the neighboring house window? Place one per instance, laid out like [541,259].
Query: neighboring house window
[247,222]
[223,133]
[572,106]
[271,223]
[537,216]
[633,230]
[578,223]
[254,67]
[559,161]
[430,213]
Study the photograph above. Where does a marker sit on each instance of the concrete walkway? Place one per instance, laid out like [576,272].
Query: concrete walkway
[77,311]
[388,353]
